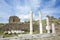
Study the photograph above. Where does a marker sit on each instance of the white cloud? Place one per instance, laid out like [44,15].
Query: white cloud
[22,11]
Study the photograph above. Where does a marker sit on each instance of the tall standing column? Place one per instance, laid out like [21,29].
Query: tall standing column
[31,18]
[53,28]
[48,26]
[40,22]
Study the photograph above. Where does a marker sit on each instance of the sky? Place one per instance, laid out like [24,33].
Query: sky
[22,8]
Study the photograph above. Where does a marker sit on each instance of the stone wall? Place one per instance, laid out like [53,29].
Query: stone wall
[14,19]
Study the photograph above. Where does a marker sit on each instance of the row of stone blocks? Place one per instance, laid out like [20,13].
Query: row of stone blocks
[34,37]
[47,38]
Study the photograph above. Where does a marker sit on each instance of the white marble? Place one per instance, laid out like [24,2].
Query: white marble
[40,22]
[53,28]
[48,26]
[31,24]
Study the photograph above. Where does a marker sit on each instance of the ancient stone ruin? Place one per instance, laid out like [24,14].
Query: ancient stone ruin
[14,19]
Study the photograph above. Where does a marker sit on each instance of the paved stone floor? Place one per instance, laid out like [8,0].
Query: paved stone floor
[34,37]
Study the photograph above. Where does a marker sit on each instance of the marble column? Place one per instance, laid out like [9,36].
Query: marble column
[40,22]
[53,28]
[31,18]
[48,26]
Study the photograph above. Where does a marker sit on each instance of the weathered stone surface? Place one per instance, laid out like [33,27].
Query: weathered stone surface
[14,19]
[29,37]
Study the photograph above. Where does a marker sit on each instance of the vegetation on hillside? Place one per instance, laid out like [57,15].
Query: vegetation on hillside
[25,25]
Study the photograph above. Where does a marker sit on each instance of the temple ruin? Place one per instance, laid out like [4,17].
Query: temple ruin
[14,19]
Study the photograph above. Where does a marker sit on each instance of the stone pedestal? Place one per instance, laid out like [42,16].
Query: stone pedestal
[53,28]
[48,29]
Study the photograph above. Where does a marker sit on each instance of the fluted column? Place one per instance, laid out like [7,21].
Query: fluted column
[53,28]
[40,22]
[48,26]
[31,18]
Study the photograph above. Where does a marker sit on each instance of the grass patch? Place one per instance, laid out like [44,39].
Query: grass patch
[1,33]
